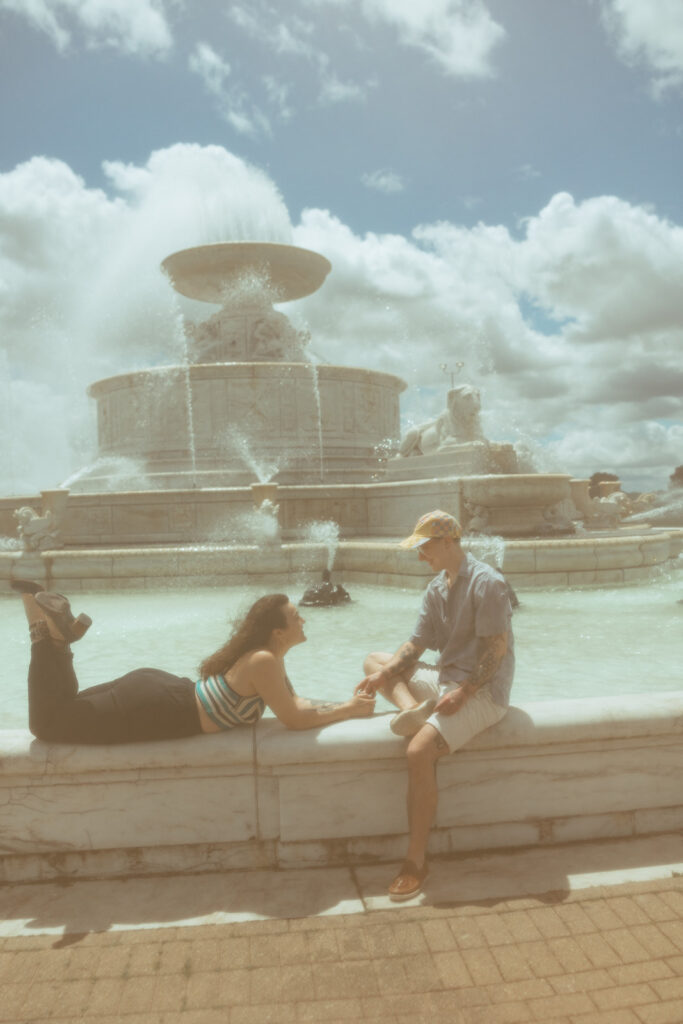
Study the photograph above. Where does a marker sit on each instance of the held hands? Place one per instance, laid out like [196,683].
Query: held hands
[361,705]
[371,684]
[453,701]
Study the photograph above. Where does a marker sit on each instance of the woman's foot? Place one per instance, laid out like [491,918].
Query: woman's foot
[58,610]
[26,586]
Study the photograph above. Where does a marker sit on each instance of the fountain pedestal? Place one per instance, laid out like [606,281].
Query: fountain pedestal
[247,404]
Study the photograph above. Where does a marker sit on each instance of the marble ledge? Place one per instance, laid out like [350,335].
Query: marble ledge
[533,725]
[550,772]
[529,727]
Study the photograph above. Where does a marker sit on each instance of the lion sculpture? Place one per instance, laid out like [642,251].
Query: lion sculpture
[459,423]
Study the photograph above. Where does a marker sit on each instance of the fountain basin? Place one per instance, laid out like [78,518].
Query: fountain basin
[205,514]
[518,490]
[204,271]
[299,421]
[539,563]
[262,796]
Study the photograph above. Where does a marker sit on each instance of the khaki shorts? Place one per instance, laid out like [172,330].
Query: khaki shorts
[478,713]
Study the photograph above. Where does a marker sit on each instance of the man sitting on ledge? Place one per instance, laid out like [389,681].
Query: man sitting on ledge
[465,616]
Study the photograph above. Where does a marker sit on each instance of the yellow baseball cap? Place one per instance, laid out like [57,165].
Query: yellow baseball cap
[433,524]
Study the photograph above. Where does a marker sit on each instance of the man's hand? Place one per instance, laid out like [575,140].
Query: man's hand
[453,701]
[371,684]
[400,666]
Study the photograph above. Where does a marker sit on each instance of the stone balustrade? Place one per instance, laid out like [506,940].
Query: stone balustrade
[550,772]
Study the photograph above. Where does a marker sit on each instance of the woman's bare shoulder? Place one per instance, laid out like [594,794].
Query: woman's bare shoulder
[259,659]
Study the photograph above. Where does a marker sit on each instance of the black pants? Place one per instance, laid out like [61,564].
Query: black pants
[146,704]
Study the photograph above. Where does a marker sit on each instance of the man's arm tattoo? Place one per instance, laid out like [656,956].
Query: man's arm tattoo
[493,649]
[405,658]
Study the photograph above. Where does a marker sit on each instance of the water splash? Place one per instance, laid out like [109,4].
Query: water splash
[324,532]
[251,286]
[264,469]
[11,544]
[490,549]
[384,450]
[319,415]
[669,513]
[117,472]
[181,335]
[258,526]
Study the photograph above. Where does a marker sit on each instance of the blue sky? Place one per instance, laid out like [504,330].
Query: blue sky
[495,182]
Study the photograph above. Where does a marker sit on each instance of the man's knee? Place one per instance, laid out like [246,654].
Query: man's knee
[426,747]
[375,661]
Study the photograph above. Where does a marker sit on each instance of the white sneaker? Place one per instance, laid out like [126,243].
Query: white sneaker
[407,723]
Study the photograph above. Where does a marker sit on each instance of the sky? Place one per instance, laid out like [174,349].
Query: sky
[497,184]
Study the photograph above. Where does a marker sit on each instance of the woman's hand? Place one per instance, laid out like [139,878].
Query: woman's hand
[371,684]
[361,705]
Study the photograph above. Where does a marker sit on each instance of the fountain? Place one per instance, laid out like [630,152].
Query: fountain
[247,378]
[249,408]
[253,464]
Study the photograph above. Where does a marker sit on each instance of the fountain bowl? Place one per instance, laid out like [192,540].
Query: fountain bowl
[517,489]
[204,271]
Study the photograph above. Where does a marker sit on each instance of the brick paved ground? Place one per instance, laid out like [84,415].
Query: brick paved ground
[599,956]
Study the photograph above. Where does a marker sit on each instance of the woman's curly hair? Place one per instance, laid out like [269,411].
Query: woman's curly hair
[250,634]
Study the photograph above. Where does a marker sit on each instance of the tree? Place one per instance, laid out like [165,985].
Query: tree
[593,490]
[676,478]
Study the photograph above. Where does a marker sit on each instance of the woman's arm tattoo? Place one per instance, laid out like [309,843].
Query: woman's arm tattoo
[323,705]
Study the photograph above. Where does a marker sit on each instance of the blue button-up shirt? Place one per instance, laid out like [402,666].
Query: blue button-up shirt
[451,621]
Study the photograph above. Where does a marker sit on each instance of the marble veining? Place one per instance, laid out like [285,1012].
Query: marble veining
[549,772]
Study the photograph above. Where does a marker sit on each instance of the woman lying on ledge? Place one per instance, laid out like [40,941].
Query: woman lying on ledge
[236,684]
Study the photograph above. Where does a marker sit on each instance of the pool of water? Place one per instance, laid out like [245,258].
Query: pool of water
[569,643]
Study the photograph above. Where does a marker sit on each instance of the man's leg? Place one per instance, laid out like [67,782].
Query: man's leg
[396,690]
[424,750]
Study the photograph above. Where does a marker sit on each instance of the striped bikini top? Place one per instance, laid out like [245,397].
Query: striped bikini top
[225,708]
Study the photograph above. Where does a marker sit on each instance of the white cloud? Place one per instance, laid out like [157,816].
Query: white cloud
[451,294]
[82,298]
[383,181]
[210,67]
[136,27]
[232,101]
[294,38]
[614,268]
[526,172]
[459,35]
[333,90]
[649,32]
[278,94]
[263,22]
[81,292]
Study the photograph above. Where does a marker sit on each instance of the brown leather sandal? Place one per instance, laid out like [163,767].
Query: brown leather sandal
[408,881]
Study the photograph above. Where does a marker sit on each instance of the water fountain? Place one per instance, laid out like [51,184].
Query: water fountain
[248,411]
[248,384]
[249,407]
